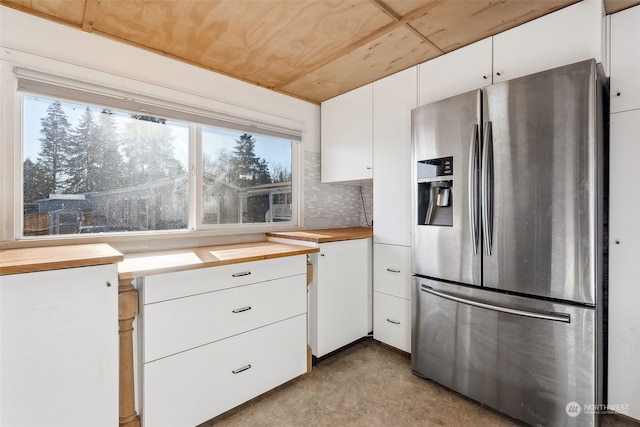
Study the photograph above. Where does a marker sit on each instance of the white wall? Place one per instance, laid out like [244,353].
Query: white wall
[40,45]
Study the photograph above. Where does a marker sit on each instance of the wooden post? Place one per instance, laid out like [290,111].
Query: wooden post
[127,312]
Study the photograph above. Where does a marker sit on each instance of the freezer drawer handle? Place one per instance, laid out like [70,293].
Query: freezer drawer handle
[391,270]
[395,322]
[557,317]
[240,310]
[244,368]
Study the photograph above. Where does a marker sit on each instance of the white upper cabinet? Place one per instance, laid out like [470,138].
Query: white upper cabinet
[569,35]
[625,60]
[393,99]
[457,72]
[346,136]
[564,37]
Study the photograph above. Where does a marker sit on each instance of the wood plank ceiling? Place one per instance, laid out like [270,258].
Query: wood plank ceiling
[310,49]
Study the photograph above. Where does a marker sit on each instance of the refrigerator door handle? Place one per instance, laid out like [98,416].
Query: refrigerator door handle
[487,188]
[473,188]
[556,317]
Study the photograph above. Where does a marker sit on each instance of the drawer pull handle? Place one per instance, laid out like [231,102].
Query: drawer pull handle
[395,322]
[244,368]
[240,310]
[244,273]
[391,270]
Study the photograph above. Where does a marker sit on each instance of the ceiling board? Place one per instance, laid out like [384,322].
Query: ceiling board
[454,24]
[613,6]
[402,7]
[395,51]
[268,42]
[68,11]
[310,49]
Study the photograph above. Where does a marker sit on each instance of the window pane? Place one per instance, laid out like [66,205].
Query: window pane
[246,178]
[94,170]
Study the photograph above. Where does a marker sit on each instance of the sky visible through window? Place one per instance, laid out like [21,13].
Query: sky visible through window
[274,151]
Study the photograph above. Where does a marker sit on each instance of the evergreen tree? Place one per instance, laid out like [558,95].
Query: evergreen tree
[55,137]
[148,149]
[34,183]
[109,175]
[281,173]
[82,159]
[246,168]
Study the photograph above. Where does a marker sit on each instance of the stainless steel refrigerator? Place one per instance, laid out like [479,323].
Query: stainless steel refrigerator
[507,245]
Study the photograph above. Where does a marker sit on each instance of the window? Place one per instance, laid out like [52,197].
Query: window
[241,175]
[90,167]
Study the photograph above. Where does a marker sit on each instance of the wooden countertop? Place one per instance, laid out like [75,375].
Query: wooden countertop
[326,235]
[149,263]
[29,260]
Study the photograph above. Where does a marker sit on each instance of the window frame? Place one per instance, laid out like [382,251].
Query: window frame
[29,82]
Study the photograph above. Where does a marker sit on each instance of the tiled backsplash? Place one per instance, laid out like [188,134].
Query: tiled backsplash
[334,205]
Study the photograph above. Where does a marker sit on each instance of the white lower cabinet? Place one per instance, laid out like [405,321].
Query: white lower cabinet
[191,387]
[340,296]
[392,295]
[204,353]
[184,323]
[59,348]
[392,321]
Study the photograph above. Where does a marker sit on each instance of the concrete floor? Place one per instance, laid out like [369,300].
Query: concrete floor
[368,384]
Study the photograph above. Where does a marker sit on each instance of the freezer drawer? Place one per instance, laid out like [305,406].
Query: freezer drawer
[529,359]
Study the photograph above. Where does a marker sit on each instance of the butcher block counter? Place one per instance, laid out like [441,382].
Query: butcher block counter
[151,263]
[325,235]
[31,260]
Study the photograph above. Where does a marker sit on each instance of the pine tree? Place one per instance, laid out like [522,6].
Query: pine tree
[281,173]
[148,149]
[55,137]
[82,158]
[246,168]
[109,174]
[34,184]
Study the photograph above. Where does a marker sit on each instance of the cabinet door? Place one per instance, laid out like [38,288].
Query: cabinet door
[347,136]
[344,292]
[393,99]
[624,268]
[59,360]
[625,60]
[460,71]
[163,287]
[392,270]
[564,37]
[392,321]
[184,323]
[194,386]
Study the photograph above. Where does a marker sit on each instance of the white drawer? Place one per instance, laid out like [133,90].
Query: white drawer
[184,323]
[392,321]
[195,386]
[392,270]
[184,283]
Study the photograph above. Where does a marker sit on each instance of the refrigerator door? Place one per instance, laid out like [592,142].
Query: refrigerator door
[530,359]
[447,247]
[540,181]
